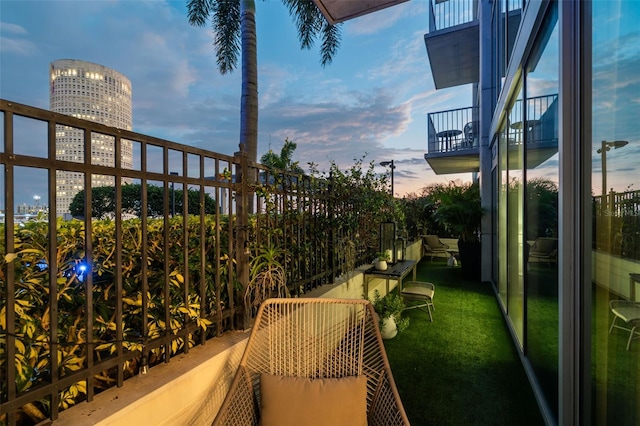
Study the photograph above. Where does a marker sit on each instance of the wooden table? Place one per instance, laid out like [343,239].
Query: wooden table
[397,272]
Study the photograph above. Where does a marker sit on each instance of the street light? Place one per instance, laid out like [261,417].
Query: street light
[606,146]
[389,163]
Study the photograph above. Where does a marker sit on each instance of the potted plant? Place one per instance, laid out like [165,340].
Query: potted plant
[389,309]
[459,210]
[380,263]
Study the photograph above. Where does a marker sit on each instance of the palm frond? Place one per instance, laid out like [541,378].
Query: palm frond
[330,43]
[226,25]
[307,18]
[198,11]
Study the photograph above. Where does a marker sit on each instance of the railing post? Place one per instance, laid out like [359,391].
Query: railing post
[432,17]
[242,230]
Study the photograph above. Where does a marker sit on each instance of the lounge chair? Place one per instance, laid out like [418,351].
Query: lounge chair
[432,246]
[297,344]
[544,250]
[629,313]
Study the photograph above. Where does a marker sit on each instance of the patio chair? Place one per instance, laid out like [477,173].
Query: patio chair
[469,131]
[544,250]
[432,246]
[421,292]
[313,361]
[629,313]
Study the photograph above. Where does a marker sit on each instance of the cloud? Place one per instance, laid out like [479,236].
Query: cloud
[12,40]
[376,22]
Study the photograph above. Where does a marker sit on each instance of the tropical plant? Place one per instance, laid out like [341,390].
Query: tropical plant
[234,26]
[391,305]
[542,208]
[458,209]
[268,278]
[384,255]
[282,161]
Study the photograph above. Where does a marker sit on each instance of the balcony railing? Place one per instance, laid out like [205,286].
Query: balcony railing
[449,13]
[453,131]
[156,260]
[541,123]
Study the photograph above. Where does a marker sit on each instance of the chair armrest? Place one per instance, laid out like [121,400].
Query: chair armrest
[419,284]
[613,304]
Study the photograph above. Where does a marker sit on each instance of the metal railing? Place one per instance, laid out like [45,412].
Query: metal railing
[616,225]
[154,265]
[541,123]
[445,14]
[453,130]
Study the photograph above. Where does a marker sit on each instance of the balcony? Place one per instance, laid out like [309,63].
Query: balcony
[538,131]
[453,42]
[452,141]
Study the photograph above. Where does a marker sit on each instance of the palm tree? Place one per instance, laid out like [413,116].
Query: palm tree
[282,161]
[234,25]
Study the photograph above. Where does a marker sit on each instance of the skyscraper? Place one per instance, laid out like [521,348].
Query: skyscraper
[91,92]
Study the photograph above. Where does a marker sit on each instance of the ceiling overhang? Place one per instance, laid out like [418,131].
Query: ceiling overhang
[336,11]
[464,161]
[454,55]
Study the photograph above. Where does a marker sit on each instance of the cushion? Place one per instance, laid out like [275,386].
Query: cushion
[301,401]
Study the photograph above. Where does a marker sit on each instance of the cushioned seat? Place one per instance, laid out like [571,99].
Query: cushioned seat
[629,312]
[421,292]
[432,246]
[544,250]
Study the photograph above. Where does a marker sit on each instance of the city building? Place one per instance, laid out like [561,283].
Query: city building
[551,131]
[91,92]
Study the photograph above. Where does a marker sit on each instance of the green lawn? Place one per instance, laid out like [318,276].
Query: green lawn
[462,369]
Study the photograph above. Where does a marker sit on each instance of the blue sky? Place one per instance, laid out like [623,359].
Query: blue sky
[374,98]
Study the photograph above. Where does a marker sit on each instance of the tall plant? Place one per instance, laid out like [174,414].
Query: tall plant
[458,209]
[234,26]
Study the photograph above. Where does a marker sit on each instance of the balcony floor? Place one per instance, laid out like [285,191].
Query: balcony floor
[460,369]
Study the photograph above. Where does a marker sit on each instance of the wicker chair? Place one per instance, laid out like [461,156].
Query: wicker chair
[314,338]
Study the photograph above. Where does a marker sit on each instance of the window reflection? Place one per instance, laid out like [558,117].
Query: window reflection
[615,200]
[541,200]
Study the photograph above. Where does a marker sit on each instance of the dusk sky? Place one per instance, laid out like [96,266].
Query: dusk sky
[373,99]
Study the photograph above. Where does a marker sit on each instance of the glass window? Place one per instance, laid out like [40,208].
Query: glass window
[540,132]
[515,216]
[615,348]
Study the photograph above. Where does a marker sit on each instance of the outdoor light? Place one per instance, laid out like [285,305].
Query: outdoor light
[389,163]
[144,365]
[606,146]
[388,240]
[247,249]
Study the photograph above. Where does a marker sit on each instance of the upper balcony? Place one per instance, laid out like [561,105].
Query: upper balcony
[453,42]
[452,141]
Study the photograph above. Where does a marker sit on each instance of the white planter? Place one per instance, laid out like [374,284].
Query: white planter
[380,265]
[389,328]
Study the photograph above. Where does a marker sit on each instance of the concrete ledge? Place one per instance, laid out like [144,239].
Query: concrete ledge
[187,391]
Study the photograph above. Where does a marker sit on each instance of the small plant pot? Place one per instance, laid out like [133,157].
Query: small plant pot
[380,265]
[389,328]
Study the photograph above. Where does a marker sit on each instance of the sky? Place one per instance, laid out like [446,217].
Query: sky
[372,101]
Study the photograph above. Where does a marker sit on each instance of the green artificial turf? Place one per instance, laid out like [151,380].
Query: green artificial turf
[461,369]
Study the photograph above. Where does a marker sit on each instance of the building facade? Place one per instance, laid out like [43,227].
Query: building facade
[91,92]
[556,91]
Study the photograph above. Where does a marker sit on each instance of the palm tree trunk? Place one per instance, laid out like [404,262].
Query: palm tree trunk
[249,100]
